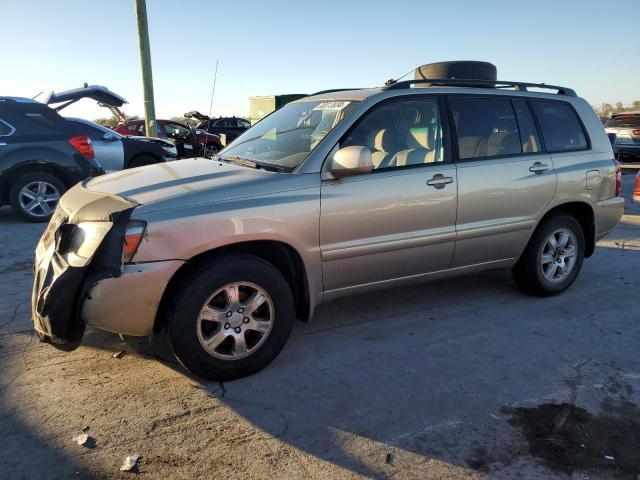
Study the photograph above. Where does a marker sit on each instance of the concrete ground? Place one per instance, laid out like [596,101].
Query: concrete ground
[465,378]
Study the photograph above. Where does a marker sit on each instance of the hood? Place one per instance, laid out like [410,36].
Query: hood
[189,181]
[197,115]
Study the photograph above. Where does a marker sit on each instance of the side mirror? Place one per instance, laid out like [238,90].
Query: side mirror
[351,160]
[107,137]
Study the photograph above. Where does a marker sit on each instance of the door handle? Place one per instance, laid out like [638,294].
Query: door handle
[439,181]
[538,167]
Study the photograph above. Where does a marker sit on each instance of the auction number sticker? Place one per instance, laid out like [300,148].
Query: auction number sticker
[331,105]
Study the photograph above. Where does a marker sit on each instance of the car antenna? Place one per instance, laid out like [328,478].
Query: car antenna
[36,96]
[213,90]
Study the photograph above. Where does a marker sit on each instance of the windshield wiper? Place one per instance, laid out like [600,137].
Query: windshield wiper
[245,162]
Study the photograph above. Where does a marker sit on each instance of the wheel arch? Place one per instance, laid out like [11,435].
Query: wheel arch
[9,176]
[583,213]
[281,255]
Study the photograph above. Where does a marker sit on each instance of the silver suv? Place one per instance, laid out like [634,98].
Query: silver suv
[337,193]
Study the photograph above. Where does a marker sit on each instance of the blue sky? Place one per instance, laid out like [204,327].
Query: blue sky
[296,46]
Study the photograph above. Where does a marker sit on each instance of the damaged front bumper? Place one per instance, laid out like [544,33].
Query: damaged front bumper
[68,262]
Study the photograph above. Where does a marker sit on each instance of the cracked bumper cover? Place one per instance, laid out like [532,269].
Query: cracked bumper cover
[128,304]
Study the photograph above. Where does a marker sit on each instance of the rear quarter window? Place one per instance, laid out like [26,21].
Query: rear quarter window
[561,128]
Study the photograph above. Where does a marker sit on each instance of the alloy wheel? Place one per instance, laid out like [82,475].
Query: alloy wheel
[235,321]
[39,198]
[559,255]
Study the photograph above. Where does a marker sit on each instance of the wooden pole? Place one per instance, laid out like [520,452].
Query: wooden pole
[145,63]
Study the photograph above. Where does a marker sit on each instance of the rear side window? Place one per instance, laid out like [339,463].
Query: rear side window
[5,128]
[561,129]
[527,127]
[486,127]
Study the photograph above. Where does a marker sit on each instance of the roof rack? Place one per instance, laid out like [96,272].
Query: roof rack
[333,90]
[461,82]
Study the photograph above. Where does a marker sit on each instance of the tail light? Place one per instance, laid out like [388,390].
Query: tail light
[83,146]
[636,132]
[636,189]
[133,236]
[618,178]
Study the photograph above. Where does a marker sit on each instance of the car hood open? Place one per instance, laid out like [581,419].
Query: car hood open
[197,115]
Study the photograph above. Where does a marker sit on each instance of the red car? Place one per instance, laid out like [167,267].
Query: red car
[189,142]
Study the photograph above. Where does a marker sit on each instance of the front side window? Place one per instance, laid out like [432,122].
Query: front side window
[400,133]
[486,127]
[287,136]
[560,126]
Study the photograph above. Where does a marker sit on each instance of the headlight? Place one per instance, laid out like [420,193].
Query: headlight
[84,242]
[133,236]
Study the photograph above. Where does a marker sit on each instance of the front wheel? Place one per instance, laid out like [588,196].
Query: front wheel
[232,317]
[553,258]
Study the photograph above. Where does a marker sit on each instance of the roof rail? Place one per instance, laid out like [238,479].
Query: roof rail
[461,82]
[331,90]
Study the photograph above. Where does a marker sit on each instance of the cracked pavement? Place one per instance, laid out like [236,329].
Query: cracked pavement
[408,383]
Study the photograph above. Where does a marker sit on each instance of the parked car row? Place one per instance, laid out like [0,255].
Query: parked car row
[626,130]
[190,142]
[333,194]
[42,154]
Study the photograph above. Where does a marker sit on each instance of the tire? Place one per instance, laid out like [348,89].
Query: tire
[31,184]
[529,272]
[142,160]
[223,362]
[458,69]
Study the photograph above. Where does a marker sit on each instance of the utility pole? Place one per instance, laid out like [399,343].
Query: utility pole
[145,63]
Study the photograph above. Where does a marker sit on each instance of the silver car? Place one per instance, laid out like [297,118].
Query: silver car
[334,194]
[116,152]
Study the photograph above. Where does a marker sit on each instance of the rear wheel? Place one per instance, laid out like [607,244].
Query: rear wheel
[34,196]
[553,258]
[232,317]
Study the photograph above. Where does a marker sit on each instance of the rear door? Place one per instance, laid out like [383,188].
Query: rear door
[505,180]
[398,221]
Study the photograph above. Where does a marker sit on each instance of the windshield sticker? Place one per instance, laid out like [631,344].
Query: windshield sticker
[331,105]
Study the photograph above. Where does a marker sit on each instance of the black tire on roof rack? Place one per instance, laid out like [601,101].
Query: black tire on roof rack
[463,69]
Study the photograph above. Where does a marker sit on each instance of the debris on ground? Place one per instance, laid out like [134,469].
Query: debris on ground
[130,463]
[389,459]
[85,440]
[119,354]
[608,457]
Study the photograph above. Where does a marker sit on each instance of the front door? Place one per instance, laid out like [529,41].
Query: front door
[398,221]
[504,179]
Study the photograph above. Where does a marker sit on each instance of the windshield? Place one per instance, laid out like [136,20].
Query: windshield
[287,136]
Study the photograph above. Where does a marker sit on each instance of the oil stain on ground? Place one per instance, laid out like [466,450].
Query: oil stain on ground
[567,437]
